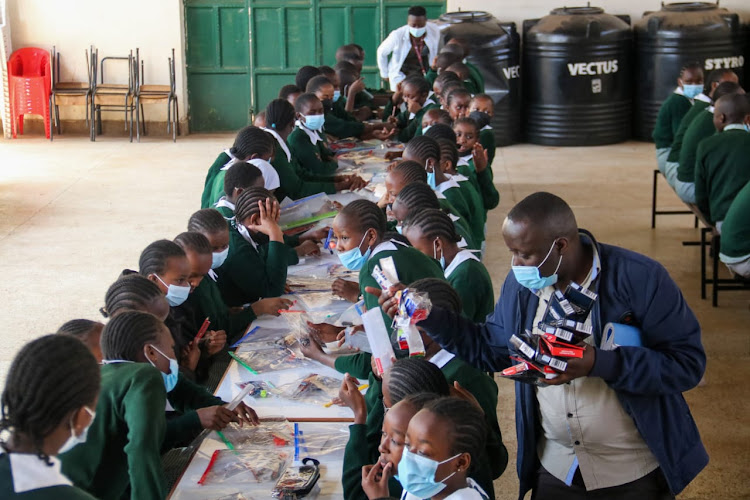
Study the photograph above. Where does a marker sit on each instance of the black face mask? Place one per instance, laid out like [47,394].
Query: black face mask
[327,104]
[481,118]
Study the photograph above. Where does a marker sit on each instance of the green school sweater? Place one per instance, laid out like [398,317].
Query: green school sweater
[59,492]
[208,303]
[249,274]
[473,200]
[482,182]
[487,140]
[668,120]
[208,185]
[700,128]
[476,78]
[408,127]
[679,136]
[294,183]
[735,233]
[464,231]
[456,198]
[316,158]
[722,169]
[471,86]
[471,211]
[184,425]
[360,101]
[124,442]
[342,127]
[474,285]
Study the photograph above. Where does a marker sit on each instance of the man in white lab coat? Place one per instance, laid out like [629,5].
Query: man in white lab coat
[411,48]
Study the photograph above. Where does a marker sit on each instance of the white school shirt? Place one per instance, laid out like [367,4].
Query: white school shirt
[397,45]
[281,142]
[446,185]
[31,473]
[312,134]
[472,492]
[459,259]
[464,160]
[270,176]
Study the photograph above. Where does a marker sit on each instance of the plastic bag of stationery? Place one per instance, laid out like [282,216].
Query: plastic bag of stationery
[297,320]
[306,211]
[312,389]
[318,300]
[272,359]
[271,432]
[322,443]
[247,466]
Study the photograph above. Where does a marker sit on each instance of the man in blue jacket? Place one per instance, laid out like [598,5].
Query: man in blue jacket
[614,425]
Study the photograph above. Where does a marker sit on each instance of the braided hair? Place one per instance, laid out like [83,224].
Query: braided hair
[279,114]
[418,194]
[440,132]
[419,83]
[440,292]
[449,151]
[247,202]
[286,91]
[447,77]
[433,223]
[419,400]
[126,334]
[130,292]
[316,83]
[424,148]
[154,257]
[304,75]
[207,221]
[195,242]
[415,375]
[467,121]
[468,431]
[367,214]
[79,328]
[251,141]
[49,378]
[454,93]
[449,88]
[411,171]
[241,175]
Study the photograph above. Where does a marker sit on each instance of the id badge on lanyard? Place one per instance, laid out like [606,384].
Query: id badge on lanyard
[418,46]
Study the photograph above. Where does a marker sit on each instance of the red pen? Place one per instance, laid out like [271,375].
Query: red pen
[202,331]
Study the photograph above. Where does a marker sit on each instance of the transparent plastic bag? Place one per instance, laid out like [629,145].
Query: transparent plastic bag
[257,388]
[259,465]
[269,433]
[312,389]
[326,443]
[306,211]
[317,300]
[272,359]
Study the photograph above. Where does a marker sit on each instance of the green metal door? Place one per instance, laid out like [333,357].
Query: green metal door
[218,64]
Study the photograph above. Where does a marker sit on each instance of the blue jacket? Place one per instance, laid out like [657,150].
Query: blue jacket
[648,380]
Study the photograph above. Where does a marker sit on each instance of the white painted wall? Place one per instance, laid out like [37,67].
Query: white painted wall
[518,10]
[114,27]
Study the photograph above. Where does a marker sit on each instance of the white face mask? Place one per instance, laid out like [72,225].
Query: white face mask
[417,32]
[218,258]
[176,295]
[74,440]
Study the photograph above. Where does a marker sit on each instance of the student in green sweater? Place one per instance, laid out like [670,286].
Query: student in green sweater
[133,292]
[254,270]
[446,79]
[207,296]
[457,103]
[723,166]
[440,63]
[448,164]
[473,162]
[252,145]
[464,74]
[462,48]
[87,331]
[699,129]
[735,234]
[434,117]
[416,95]
[307,141]
[353,98]
[689,85]
[48,405]
[482,110]
[431,232]
[701,102]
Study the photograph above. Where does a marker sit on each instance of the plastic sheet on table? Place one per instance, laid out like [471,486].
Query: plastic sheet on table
[323,443]
[276,432]
[261,334]
[318,300]
[273,358]
[306,211]
[259,466]
[312,389]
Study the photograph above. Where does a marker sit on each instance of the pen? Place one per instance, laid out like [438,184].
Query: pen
[202,331]
[242,363]
[244,337]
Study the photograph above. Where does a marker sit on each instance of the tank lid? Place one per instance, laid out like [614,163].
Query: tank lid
[468,16]
[688,6]
[577,11]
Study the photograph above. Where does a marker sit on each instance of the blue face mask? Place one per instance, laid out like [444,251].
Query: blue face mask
[176,295]
[218,258]
[417,32]
[170,379]
[425,129]
[529,277]
[400,229]
[431,179]
[353,259]
[434,254]
[336,95]
[691,91]
[417,474]
[315,122]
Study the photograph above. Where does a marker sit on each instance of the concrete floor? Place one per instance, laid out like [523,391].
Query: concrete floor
[73,214]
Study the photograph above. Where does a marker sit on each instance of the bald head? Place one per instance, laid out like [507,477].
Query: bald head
[546,212]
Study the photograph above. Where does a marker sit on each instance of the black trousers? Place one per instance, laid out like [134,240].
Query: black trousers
[652,486]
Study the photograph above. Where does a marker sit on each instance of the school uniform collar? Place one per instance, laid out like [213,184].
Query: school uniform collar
[312,134]
[386,246]
[246,235]
[232,158]
[459,178]
[463,243]
[441,358]
[735,126]
[459,259]
[702,97]
[464,160]
[212,274]
[270,176]
[453,217]
[281,142]
[486,127]
[427,102]
[224,202]
[446,185]
[440,196]
[32,473]
[710,109]
[679,91]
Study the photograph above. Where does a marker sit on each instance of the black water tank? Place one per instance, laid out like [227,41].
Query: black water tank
[495,50]
[578,71]
[678,34]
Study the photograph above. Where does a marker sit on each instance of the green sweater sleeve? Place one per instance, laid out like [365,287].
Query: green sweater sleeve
[357,454]
[487,140]
[490,196]
[701,178]
[144,417]
[409,127]
[356,365]
[457,200]
[187,395]
[342,128]
[208,185]
[431,76]
[310,156]
[476,77]
[294,186]
[246,276]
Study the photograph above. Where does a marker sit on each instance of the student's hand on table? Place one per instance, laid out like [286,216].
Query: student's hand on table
[324,332]
[268,220]
[306,248]
[392,155]
[215,418]
[191,354]
[246,415]
[357,183]
[577,367]
[311,348]
[215,341]
[386,299]
[338,206]
[315,234]
[270,306]
[457,391]
[375,480]
[384,135]
[350,395]
[347,290]
[480,157]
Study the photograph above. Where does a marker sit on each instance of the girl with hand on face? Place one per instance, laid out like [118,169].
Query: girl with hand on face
[416,95]
[48,404]
[473,162]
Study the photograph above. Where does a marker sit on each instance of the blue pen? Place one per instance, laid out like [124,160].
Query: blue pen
[327,244]
[236,344]
[296,442]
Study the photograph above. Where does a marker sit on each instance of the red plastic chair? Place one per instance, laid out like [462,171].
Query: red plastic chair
[29,82]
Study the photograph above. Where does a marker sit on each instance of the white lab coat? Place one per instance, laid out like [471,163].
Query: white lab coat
[398,45]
